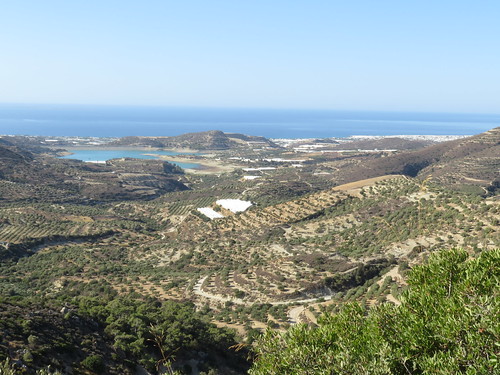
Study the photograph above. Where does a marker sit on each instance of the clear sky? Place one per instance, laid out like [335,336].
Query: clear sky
[421,55]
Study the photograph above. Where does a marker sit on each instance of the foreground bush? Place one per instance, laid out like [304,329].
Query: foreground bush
[448,323]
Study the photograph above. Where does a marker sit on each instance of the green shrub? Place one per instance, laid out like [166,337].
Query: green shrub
[94,363]
[448,323]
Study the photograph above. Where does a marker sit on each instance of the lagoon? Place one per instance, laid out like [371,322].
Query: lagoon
[103,155]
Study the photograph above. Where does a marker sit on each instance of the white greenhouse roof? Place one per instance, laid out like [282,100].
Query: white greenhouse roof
[210,213]
[234,205]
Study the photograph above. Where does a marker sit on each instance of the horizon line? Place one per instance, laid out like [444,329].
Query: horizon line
[255,108]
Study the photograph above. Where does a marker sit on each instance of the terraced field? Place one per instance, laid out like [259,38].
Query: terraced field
[350,242]
[304,247]
[269,253]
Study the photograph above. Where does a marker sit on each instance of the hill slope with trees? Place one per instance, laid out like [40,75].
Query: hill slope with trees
[472,161]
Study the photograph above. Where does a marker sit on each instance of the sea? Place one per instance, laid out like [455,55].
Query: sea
[120,121]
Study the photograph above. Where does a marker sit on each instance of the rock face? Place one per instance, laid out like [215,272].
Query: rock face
[209,140]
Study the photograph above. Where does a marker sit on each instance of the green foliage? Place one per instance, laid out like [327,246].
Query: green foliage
[147,329]
[94,363]
[362,273]
[448,323]
[109,335]
[7,368]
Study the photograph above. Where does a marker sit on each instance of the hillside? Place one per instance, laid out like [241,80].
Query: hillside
[24,176]
[94,337]
[460,164]
[11,153]
[115,245]
[384,143]
[447,323]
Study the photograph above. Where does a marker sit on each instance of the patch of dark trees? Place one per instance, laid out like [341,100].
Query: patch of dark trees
[344,281]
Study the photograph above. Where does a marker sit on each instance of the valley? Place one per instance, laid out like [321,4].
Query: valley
[331,222]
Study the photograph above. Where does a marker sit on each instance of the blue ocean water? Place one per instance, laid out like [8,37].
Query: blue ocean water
[116,121]
[102,155]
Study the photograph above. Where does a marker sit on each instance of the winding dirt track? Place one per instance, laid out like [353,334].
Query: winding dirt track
[293,314]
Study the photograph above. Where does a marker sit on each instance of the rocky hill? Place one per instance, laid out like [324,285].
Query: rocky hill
[209,140]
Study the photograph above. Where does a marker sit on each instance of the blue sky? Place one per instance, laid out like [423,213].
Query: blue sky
[356,55]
